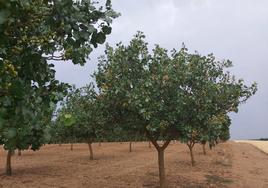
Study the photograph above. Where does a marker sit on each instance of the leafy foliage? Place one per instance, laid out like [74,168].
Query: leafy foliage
[81,116]
[167,96]
[32,33]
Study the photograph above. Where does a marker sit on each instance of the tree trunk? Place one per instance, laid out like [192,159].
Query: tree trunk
[210,146]
[71,146]
[19,152]
[204,149]
[130,146]
[90,151]
[8,164]
[161,161]
[192,156]
[161,165]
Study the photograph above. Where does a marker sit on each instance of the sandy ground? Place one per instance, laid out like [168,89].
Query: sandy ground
[234,165]
[262,145]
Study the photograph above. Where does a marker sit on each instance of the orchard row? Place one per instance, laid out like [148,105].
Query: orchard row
[156,96]
[138,93]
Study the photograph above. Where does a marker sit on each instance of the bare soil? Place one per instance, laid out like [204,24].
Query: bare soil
[234,165]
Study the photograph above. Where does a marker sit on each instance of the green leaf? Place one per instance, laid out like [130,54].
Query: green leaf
[68,116]
[85,35]
[91,29]
[100,38]
[106,30]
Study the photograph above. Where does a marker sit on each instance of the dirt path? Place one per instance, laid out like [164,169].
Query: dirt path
[228,165]
[262,145]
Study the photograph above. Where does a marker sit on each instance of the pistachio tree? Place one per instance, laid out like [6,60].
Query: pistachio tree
[165,94]
[137,85]
[212,91]
[34,32]
[82,116]
[210,120]
[65,127]
[90,116]
[218,129]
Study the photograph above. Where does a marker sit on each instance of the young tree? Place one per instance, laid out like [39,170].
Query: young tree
[121,76]
[212,91]
[218,129]
[68,127]
[84,107]
[32,33]
[89,114]
[133,81]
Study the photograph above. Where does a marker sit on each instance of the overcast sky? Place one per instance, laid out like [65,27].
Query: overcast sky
[230,29]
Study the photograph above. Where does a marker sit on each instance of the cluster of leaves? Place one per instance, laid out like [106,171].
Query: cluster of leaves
[167,96]
[32,33]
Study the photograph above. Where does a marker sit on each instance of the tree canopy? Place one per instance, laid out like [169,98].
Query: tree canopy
[34,32]
[167,93]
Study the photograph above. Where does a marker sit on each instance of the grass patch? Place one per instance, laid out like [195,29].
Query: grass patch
[214,179]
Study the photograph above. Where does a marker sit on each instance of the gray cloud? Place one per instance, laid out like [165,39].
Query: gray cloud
[235,30]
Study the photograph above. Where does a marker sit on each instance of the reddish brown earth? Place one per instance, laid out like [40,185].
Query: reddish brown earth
[235,165]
